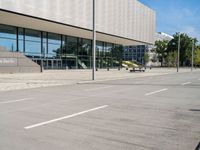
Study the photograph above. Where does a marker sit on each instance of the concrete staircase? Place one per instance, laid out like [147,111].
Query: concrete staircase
[15,62]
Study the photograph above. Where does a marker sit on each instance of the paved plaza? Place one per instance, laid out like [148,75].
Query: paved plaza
[155,110]
[48,78]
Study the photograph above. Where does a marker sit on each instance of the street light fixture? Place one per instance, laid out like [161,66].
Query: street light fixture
[94,40]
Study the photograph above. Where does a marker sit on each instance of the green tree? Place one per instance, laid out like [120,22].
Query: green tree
[161,50]
[197,56]
[146,58]
[117,54]
[171,59]
[154,59]
[185,47]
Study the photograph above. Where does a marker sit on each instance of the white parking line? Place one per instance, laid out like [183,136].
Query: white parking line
[186,83]
[65,117]
[155,92]
[14,101]
[99,88]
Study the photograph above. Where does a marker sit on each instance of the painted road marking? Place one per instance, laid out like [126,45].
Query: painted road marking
[99,88]
[65,117]
[186,83]
[14,101]
[155,92]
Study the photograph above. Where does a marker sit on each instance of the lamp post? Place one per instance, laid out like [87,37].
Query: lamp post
[94,40]
[178,56]
[192,65]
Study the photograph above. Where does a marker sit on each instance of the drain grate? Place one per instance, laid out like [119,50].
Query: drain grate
[198,147]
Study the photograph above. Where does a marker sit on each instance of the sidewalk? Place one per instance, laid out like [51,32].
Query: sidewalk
[68,77]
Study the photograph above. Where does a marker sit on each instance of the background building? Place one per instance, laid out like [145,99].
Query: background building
[136,52]
[58,33]
[160,36]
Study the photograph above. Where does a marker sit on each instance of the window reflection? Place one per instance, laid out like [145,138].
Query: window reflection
[21,40]
[99,49]
[9,44]
[7,32]
[8,37]
[108,49]
[44,45]
[59,50]
[54,45]
[85,47]
[71,44]
[32,43]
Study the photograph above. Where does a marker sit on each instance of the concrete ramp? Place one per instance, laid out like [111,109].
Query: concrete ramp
[15,62]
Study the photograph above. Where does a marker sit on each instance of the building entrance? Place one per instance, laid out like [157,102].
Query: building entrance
[49,63]
[71,63]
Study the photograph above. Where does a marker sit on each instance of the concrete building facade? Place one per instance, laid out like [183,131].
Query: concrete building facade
[58,33]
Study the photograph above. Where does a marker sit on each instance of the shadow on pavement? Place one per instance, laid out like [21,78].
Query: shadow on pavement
[194,110]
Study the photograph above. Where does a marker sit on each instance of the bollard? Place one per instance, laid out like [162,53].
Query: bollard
[41,66]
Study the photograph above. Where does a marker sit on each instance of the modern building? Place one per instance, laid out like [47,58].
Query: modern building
[136,52]
[160,36]
[57,34]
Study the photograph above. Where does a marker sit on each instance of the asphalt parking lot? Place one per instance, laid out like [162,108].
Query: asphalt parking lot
[154,112]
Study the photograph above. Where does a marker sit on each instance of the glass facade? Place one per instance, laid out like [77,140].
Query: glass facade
[8,37]
[56,51]
[54,46]
[32,43]
[135,53]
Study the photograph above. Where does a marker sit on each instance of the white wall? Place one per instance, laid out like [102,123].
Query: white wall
[124,18]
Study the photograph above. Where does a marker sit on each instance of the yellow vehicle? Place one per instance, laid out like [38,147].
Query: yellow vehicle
[134,67]
[129,64]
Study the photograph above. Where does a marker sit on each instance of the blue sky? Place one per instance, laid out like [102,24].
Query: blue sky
[176,16]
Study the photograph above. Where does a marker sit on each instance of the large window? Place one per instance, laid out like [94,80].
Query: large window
[84,53]
[32,43]
[108,49]
[87,47]
[54,46]
[21,43]
[117,53]
[100,49]
[71,44]
[8,37]
[44,44]
[59,50]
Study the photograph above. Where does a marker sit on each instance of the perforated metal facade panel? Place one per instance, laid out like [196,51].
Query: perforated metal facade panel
[123,18]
